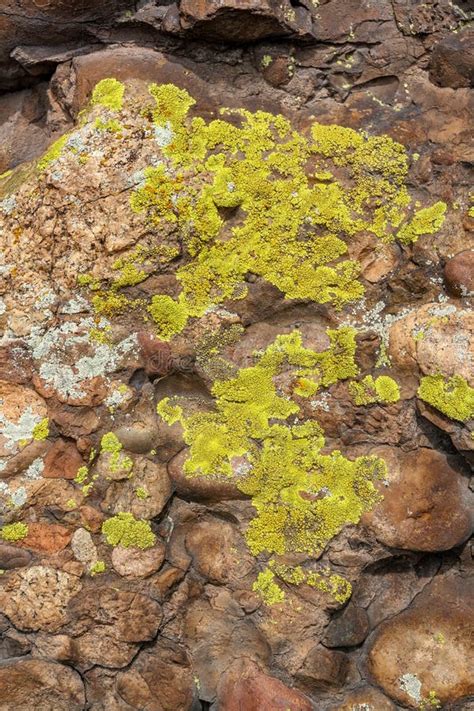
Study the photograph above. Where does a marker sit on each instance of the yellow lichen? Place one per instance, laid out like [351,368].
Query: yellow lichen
[128,532]
[53,152]
[14,532]
[41,430]
[453,396]
[383,390]
[108,93]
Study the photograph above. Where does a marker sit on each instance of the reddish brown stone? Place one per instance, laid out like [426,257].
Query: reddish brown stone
[62,461]
[247,686]
[46,537]
[459,273]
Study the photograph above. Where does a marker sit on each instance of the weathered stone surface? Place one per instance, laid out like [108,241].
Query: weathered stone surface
[62,461]
[108,625]
[13,557]
[427,647]
[323,669]
[247,686]
[46,537]
[136,563]
[347,629]
[37,598]
[42,685]
[366,699]
[459,273]
[426,503]
[148,475]
[452,61]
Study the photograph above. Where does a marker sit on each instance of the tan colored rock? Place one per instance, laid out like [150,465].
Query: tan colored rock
[148,475]
[323,669]
[37,598]
[436,338]
[426,503]
[62,461]
[218,551]
[108,625]
[160,679]
[83,547]
[137,563]
[247,686]
[42,685]
[20,410]
[427,647]
[364,699]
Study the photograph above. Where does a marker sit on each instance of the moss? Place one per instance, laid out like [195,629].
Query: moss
[383,390]
[14,532]
[170,316]
[97,568]
[53,152]
[127,531]
[452,396]
[41,430]
[265,585]
[109,94]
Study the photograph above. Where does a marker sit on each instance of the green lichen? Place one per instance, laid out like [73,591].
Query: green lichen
[142,493]
[170,316]
[97,568]
[111,125]
[109,94]
[41,430]
[266,60]
[265,585]
[302,498]
[383,390]
[111,445]
[14,532]
[53,152]
[453,396]
[430,702]
[324,580]
[292,215]
[127,531]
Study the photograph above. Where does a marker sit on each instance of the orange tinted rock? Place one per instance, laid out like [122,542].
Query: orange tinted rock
[46,537]
[62,461]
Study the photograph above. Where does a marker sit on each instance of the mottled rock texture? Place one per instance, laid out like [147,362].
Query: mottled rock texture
[236,355]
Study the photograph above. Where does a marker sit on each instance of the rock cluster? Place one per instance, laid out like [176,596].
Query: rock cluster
[224,490]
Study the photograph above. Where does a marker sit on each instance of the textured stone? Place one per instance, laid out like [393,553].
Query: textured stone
[38,684]
[425,505]
[428,646]
[364,699]
[136,563]
[46,537]
[452,60]
[459,273]
[37,598]
[247,686]
[348,629]
[62,461]
[323,669]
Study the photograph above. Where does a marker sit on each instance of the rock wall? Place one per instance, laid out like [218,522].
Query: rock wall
[236,357]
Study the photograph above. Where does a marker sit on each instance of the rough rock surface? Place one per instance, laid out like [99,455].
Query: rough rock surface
[236,355]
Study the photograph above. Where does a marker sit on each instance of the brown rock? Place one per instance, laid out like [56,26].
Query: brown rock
[108,625]
[13,557]
[74,421]
[347,629]
[18,404]
[323,669]
[247,686]
[427,647]
[425,505]
[136,563]
[41,685]
[452,60]
[203,488]
[36,598]
[62,461]
[459,273]
[243,20]
[218,551]
[148,475]
[160,679]
[46,537]
[367,698]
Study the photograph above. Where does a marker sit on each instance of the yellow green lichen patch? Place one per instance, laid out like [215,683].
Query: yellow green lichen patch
[127,531]
[292,217]
[53,152]
[112,125]
[97,568]
[109,94]
[41,430]
[453,396]
[265,585]
[334,585]
[111,444]
[14,532]
[302,498]
[383,389]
